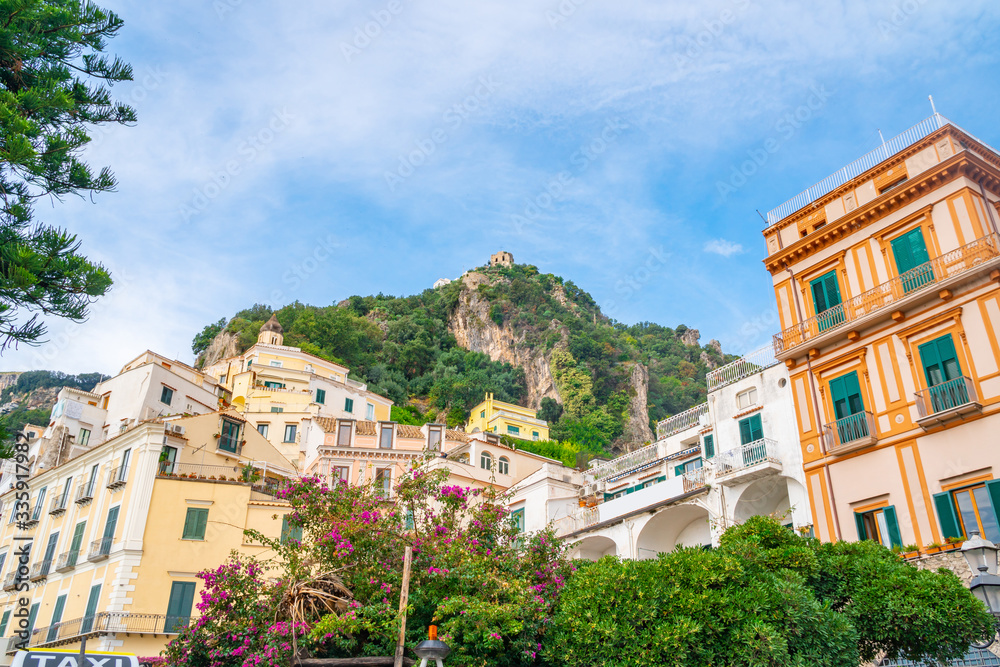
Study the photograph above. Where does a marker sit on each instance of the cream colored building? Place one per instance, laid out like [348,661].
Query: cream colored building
[493,416]
[282,391]
[121,522]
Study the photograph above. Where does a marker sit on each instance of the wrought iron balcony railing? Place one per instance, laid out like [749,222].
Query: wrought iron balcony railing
[67,560]
[85,493]
[851,432]
[108,622]
[747,365]
[40,570]
[746,456]
[681,421]
[950,265]
[117,477]
[99,549]
[951,398]
[626,462]
[59,504]
[8,581]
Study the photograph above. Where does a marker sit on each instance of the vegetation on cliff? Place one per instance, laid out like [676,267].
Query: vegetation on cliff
[403,348]
[30,382]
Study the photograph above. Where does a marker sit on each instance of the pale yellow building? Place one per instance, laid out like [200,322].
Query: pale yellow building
[493,416]
[282,390]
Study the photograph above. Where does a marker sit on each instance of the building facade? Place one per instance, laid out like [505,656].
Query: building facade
[887,280]
[711,467]
[493,416]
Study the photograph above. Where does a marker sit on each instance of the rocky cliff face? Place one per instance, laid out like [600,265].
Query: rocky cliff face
[637,432]
[224,345]
[472,327]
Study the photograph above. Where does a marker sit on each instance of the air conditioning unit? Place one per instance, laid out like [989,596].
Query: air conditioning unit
[175,428]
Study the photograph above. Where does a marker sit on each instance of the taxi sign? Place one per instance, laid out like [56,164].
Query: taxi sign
[67,658]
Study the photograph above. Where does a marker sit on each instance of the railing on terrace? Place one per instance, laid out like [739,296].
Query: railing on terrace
[747,456]
[681,421]
[8,581]
[583,518]
[513,415]
[86,491]
[949,265]
[849,431]
[695,479]
[67,560]
[117,477]
[108,622]
[59,503]
[898,143]
[946,396]
[196,470]
[99,549]
[626,462]
[747,365]
[267,491]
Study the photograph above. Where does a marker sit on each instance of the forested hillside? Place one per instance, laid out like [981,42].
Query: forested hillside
[30,398]
[530,338]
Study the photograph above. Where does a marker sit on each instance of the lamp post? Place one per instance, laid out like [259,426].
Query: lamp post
[432,648]
[981,555]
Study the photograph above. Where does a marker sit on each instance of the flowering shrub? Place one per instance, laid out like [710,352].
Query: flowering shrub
[490,589]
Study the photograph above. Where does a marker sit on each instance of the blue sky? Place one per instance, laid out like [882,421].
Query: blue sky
[317,150]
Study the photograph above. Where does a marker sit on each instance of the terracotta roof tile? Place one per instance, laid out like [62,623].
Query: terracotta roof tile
[328,424]
[458,436]
[365,428]
[408,431]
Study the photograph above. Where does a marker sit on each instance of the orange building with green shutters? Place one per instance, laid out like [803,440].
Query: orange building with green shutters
[887,281]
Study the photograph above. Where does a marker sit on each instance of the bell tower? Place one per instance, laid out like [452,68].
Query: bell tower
[271,333]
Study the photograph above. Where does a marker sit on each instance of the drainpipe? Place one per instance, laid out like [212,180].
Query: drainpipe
[813,386]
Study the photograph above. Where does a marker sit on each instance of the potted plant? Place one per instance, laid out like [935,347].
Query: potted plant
[911,551]
[932,548]
[216,435]
[212,477]
[952,543]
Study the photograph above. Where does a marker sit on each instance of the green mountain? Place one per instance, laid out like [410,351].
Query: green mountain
[529,338]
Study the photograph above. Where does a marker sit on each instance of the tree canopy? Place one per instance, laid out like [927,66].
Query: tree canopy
[54,87]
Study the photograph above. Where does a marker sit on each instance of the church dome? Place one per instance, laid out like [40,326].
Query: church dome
[272,325]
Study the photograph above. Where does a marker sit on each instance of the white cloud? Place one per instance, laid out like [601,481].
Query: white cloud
[724,247]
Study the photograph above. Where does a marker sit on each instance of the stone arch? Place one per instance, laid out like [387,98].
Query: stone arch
[595,547]
[765,497]
[680,525]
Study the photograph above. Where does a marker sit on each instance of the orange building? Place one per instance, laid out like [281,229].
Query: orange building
[887,279]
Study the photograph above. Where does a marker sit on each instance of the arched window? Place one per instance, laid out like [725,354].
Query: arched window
[503,466]
[486,461]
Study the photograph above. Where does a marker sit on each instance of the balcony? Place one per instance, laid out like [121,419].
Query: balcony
[750,462]
[681,421]
[747,365]
[32,521]
[8,581]
[905,290]
[649,496]
[67,561]
[85,493]
[850,433]
[107,623]
[117,477]
[626,462]
[99,549]
[40,570]
[946,401]
[59,503]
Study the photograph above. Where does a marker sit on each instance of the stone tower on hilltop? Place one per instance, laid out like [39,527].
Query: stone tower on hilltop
[502,258]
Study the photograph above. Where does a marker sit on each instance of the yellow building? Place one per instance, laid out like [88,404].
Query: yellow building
[282,391]
[493,416]
[887,279]
[119,529]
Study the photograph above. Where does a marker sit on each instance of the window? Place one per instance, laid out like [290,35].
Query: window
[513,430]
[123,466]
[179,606]
[848,407]
[349,405]
[826,297]
[84,438]
[321,396]
[274,409]
[344,434]
[166,395]
[912,261]
[229,440]
[32,616]
[3,623]
[195,523]
[37,514]
[289,532]
[687,466]
[222,379]
[88,618]
[110,525]
[517,518]
[77,543]
[276,364]
[708,446]
[879,526]
[290,432]
[57,613]
[971,508]
[370,412]
[482,414]
[503,465]
[385,436]
[91,482]
[946,386]
[534,435]
[249,363]
[486,461]
[434,435]
[746,399]
[893,185]
[751,429]
[3,559]
[341,473]
[383,483]
[262,429]
[271,384]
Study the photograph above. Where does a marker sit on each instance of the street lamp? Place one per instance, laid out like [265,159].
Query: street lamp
[981,555]
[432,648]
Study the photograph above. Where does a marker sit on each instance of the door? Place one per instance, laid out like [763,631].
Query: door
[912,261]
[946,388]
[88,618]
[109,530]
[848,407]
[50,553]
[57,613]
[168,456]
[74,546]
[751,437]
[826,299]
[32,617]
[179,605]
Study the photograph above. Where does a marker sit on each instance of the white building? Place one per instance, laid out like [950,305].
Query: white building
[712,467]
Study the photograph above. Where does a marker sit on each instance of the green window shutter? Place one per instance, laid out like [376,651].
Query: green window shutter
[3,623]
[32,615]
[947,516]
[846,394]
[78,536]
[289,532]
[111,524]
[859,520]
[910,250]
[819,295]
[202,523]
[679,470]
[709,446]
[88,617]
[993,488]
[826,292]
[57,613]
[179,605]
[940,360]
[890,520]
[321,396]
[751,429]
[745,431]
[195,523]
